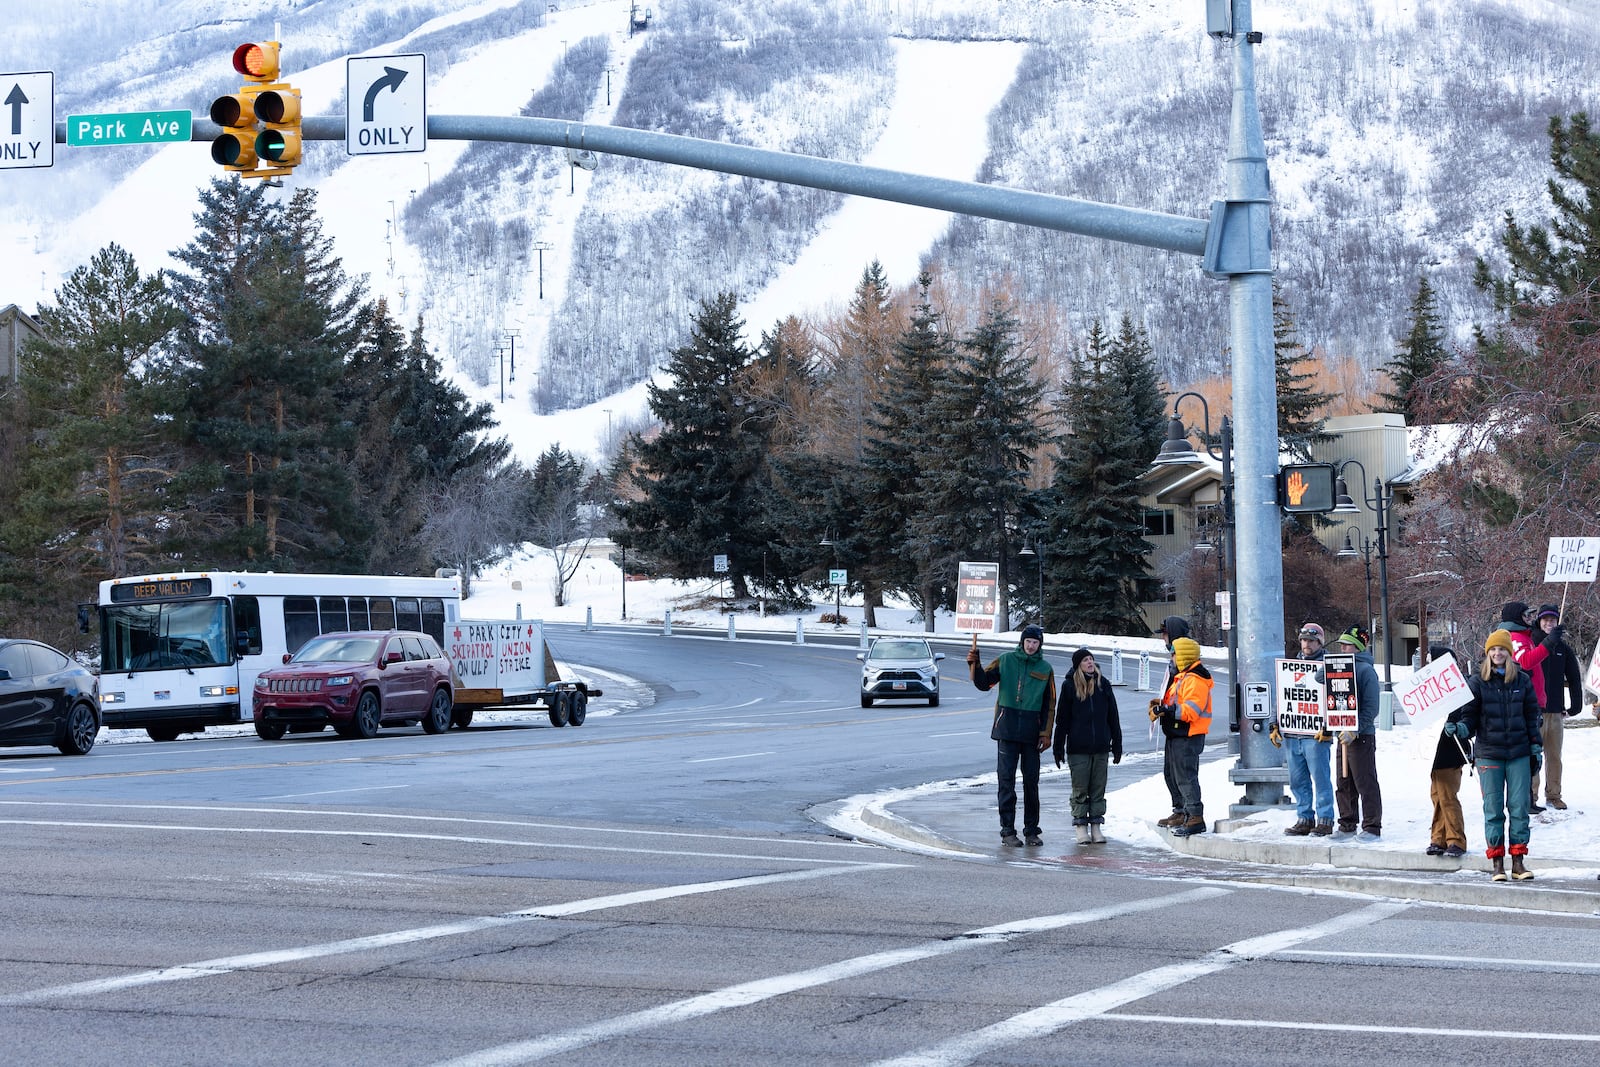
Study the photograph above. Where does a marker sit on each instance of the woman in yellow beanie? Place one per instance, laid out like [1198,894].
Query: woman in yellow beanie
[1185,714]
[1504,719]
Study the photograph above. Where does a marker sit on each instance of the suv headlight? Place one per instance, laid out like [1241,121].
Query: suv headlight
[341,679]
[262,683]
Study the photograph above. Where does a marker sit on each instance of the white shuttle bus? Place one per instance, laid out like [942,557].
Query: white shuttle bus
[180,652]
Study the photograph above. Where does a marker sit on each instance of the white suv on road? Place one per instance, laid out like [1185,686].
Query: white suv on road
[899,668]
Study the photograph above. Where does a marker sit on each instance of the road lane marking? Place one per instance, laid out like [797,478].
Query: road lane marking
[326,792]
[747,993]
[274,957]
[1047,1019]
[1475,963]
[522,824]
[718,759]
[1358,1028]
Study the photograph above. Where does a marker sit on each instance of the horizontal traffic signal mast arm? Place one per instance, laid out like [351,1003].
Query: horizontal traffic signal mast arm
[1152,229]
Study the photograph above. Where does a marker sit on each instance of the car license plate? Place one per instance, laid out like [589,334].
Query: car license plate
[898,685]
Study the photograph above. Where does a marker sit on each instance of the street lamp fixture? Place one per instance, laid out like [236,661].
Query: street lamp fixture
[838,590]
[1176,450]
[1381,504]
[1350,551]
[1027,552]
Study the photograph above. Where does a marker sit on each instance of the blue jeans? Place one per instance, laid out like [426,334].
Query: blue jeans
[1311,774]
[1506,784]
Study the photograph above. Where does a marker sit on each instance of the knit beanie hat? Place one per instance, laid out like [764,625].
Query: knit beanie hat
[1079,656]
[1499,639]
[1185,653]
[1312,632]
[1355,637]
[1513,611]
[1032,631]
[1550,610]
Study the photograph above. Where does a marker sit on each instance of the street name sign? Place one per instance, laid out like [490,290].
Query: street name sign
[386,104]
[28,120]
[130,127]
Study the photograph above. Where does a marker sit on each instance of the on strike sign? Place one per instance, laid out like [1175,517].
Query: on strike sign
[1433,692]
[1572,559]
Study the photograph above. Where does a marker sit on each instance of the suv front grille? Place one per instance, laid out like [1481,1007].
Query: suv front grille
[296,685]
[899,676]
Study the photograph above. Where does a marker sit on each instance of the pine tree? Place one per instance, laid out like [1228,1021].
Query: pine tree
[88,495]
[1299,425]
[900,447]
[1421,354]
[699,482]
[269,328]
[974,485]
[1096,565]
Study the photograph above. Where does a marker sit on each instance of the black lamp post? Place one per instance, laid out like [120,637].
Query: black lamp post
[1349,551]
[1027,552]
[1178,450]
[838,590]
[1380,503]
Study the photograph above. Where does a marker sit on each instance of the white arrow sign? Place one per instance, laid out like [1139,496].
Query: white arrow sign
[386,104]
[27,120]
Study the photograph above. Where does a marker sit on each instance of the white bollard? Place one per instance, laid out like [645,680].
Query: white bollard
[588,618]
[1144,671]
[666,623]
[731,635]
[863,633]
[799,631]
[1116,666]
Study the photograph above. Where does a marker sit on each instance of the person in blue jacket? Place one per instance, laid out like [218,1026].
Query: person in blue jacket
[1356,790]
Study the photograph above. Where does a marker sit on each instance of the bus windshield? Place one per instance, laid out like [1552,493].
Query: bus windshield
[164,636]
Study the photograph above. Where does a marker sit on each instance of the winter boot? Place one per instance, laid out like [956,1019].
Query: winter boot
[1194,825]
[1323,828]
[1082,829]
[1096,833]
[1301,828]
[1177,818]
[1518,871]
[1499,874]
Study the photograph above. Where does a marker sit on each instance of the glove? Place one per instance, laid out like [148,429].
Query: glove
[1322,736]
[1534,762]
[1060,757]
[1538,753]
[1275,735]
[1116,755]
[1155,710]
[1553,638]
[1347,736]
[1456,729]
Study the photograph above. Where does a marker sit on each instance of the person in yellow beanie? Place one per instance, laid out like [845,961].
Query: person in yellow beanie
[1503,718]
[1185,716]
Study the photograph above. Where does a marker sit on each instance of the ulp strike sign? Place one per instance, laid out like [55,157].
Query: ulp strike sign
[1300,693]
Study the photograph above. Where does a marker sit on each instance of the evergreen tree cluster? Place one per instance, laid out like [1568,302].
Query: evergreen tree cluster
[940,448]
[251,410]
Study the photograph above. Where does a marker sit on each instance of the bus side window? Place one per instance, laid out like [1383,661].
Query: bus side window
[358,614]
[407,613]
[382,613]
[433,618]
[334,615]
[299,621]
[247,626]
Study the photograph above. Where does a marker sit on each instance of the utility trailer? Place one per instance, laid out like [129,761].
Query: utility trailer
[505,663]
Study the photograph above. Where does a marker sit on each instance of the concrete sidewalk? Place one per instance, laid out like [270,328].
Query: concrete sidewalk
[958,820]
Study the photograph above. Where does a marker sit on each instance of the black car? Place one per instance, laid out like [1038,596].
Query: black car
[46,698]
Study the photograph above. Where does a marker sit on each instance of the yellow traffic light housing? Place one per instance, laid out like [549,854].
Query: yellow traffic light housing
[261,122]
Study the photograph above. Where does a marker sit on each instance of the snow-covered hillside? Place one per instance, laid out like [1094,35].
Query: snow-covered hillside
[1398,131]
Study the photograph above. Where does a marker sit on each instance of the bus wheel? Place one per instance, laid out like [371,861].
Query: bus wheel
[580,708]
[270,731]
[368,717]
[559,708]
[163,733]
[461,717]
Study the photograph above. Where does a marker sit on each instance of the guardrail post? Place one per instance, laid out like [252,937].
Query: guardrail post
[863,633]
[588,618]
[666,623]
[799,631]
[732,636]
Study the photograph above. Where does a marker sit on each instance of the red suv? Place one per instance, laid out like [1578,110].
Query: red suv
[357,682]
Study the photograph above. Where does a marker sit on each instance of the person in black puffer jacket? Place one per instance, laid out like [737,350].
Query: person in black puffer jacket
[1088,737]
[1563,698]
[1503,720]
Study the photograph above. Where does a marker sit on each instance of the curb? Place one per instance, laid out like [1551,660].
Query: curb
[906,830]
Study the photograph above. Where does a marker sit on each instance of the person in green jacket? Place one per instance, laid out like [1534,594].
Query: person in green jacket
[1024,720]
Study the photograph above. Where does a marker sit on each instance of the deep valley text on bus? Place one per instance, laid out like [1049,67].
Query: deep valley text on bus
[180,652]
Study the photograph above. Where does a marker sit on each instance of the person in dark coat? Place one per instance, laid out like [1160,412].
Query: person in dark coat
[1172,628]
[1356,791]
[1503,720]
[1023,712]
[1447,836]
[1563,698]
[1089,738]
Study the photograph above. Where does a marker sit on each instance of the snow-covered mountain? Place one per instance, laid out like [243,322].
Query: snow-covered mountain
[1399,131]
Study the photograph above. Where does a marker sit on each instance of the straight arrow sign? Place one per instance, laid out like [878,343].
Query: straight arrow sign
[29,139]
[14,100]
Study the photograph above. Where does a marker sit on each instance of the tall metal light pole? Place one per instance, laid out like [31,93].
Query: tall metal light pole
[1027,552]
[1178,450]
[1349,551]
[1380,503]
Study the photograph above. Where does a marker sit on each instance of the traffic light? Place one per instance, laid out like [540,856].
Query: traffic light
[261,122]
[1306,488]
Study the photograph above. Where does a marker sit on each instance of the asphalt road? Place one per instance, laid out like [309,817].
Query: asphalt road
[648,889]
